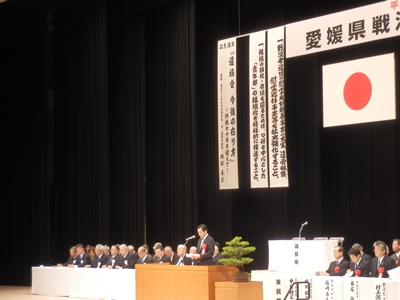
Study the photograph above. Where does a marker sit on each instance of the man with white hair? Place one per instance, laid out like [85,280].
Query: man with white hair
[173,257]
[128,260]
[100,259]
[144,257]
[183,258]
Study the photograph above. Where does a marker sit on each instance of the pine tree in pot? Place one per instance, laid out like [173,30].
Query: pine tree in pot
[233,255]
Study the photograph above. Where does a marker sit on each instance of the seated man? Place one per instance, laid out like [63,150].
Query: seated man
[144,257]
[396,250]
[364,256]
[160,257]
[183,258]
[360,267]
[128,259]
[193,251]
[71,259]
[381,263]
[82,259]
[173,257]
[115,259]
[217,255]
[339,266]
[100,259]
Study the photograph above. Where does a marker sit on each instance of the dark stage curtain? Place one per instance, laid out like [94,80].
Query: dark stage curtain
[171,143]
[81,206]
[127,129]
[24,220]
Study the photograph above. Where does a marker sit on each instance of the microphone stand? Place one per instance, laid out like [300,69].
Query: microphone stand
[301,228]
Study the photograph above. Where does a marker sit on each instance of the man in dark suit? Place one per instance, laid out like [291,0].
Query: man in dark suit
[82,259]
[100,259]
[217,255]
[360,267]
[144,257]
[173,257]
[115,259]
[128,260]
[72,257]
[364,256]
[132,251]
[381,263]
[184,259]
[396,250]
[159,256]
[339,266]
[205,247]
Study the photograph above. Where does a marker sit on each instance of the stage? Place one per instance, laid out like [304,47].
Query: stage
[24,293]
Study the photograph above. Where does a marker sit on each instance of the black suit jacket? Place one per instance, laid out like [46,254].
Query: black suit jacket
[98,262]
[343,267]
[115,261]
[70,261]
[83,260]
[364,266]
[174,258]
[366,257]
[206,258]
[216,258]
[395,258]
[387,263]
[129,261]
[185,260]
[148,259]
[161,260]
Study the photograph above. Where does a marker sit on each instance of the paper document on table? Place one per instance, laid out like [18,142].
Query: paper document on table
[394,273]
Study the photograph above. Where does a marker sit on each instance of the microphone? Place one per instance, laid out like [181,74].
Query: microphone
[190,238]
[301,228]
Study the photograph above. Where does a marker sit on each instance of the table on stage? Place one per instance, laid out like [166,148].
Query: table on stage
[300,255]
[276,285]
[84,282]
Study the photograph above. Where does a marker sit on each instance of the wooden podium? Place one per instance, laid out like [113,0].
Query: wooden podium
[159,281]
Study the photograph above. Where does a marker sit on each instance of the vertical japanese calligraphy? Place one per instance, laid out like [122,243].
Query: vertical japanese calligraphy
[278,168]
[258,111]
[227,119]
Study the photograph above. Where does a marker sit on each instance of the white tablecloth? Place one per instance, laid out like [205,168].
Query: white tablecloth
[50,281]
[84,283]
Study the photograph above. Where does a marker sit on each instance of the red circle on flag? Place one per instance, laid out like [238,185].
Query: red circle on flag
[357,91]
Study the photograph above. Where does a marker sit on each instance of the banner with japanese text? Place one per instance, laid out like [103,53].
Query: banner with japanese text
[278,168]
[351,27]
[227,120]
[258,111]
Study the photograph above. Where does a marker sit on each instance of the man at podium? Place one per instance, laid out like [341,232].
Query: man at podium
[205,247]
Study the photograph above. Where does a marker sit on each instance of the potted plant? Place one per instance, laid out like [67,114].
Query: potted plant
[233,255]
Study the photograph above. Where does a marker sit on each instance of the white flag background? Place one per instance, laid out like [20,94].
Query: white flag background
[278,168]
[227,119]
[258,110]
[359,91]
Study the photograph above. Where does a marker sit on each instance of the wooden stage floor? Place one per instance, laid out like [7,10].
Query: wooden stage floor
[24,293]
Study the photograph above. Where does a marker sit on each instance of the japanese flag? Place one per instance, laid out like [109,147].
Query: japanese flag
[359,91]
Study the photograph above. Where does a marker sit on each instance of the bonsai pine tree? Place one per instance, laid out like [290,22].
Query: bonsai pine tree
[234,251]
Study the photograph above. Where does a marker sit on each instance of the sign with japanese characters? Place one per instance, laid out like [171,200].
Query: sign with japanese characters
[278,168]
[346,28]
[227,120]
[258,110]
